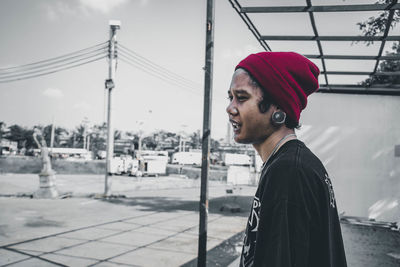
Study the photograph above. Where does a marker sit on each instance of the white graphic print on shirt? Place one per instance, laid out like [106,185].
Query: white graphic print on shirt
[330,188]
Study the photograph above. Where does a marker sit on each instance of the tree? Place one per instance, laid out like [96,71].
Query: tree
[372,27]
[59,135]
[98,138]
[195,141]
[2,127]
[21,135]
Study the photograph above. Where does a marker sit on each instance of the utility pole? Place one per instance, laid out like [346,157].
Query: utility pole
[109,84]
[52,135]
[206,138]
[84,124]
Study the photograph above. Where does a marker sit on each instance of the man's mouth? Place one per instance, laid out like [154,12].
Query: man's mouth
[235,125]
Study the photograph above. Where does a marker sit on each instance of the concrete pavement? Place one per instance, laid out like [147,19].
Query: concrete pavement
[153,222]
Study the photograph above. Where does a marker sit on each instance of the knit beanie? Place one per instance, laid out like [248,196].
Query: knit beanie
[287,77]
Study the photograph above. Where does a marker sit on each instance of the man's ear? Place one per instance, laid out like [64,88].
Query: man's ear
[274,108]
[278,116]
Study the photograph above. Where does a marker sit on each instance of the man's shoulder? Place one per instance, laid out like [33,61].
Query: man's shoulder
[298,156]
[295,164]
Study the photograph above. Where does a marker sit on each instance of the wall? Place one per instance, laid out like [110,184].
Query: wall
[34,165]
[354,136]
[195,173]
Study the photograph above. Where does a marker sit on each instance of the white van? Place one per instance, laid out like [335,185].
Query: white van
[187,158]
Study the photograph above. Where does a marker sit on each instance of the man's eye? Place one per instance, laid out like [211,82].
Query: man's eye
[230,98]
[241,98]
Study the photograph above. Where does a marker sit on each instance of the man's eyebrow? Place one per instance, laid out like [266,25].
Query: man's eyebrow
[241,91]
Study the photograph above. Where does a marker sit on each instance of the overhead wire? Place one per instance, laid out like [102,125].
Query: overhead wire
[104,44]
[52,71]
[52,67]
[149,70]
[155,74]
[162,73]
[156,66]
[56,64]
[38,67]
[92,54]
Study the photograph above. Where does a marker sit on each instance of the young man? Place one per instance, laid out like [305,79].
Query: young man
[294,220]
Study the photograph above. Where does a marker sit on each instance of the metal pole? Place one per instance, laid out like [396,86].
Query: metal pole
[52,135]
[114,26]
[206,139]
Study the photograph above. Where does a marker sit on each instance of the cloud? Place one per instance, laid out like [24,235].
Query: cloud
[58,9]
[103,6]
[55,10]
[53,93]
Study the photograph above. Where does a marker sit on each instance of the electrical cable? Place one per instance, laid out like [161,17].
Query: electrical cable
[42,67]
[55,58]
[54,71]
[156,66]
[163,73]
[197,87]
[134,64]
[50,68]
[138,66]
[160,73]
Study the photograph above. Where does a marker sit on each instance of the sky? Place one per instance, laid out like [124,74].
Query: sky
[168,33]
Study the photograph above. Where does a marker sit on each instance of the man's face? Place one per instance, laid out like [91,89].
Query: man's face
[250,126]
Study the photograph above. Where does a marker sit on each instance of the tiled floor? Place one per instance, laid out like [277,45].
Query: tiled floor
[151,239]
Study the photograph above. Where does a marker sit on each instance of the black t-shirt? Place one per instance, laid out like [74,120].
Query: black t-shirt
[294,220]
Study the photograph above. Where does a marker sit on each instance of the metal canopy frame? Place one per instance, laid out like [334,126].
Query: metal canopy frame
[382,89]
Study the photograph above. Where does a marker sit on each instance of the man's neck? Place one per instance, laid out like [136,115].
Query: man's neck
[265,148]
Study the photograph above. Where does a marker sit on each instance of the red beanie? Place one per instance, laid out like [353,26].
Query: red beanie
[287,77]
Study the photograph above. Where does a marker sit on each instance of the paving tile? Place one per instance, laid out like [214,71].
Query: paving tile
[154,230]
[115,264]
[180,243]
[95,250]
[150,257]
[154,218]
[69,260]
[184,243]
[7,256]
[33,262]
[31,252]
[119,226]
[176,225]
[48,244]
[134,238]
[92,233]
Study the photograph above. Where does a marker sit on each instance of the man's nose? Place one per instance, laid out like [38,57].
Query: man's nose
[231,109]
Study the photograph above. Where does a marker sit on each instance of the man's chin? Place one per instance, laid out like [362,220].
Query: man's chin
[241,140]
[249,140]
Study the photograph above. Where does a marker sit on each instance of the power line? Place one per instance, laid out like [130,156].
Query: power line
[157,75]
[157,72]
[134,64]
[161,72]
[156,66]
[55,58]
[50,68]
[53,71]
[32,67]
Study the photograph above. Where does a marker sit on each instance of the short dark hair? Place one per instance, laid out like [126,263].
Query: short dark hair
[266,102]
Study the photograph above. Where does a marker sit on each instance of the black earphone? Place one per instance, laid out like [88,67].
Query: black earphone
[278,118]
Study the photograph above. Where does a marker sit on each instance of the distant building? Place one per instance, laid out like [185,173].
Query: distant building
[8,147]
